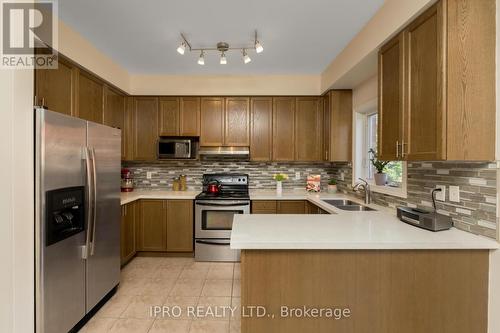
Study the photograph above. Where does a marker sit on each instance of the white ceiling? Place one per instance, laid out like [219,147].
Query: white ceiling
[299,37]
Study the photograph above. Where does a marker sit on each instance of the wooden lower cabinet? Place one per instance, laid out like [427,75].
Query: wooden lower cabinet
[179,226]
[264,207]
[279,206]
[152,226]
[165,226]
[313,209]
[127,233]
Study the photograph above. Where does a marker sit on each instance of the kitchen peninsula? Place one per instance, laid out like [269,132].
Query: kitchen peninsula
[391,276]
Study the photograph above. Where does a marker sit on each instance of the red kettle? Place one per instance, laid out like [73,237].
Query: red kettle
[213,188]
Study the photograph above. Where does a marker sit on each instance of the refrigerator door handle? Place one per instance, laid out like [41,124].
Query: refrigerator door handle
[94,202]
[88,169]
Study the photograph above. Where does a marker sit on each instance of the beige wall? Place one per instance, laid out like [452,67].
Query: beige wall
[16,202]
[80,50]
[357,59]
[365,92]
[225,85]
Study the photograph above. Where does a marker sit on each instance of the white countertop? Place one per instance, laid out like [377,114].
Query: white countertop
[379,229]
[344,230]
[127,197]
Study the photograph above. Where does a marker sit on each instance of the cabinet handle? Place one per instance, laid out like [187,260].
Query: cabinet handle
[397,149]
[403,154]
[326,155]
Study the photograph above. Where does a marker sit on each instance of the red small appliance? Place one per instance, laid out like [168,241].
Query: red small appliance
[213,188]
[127,183]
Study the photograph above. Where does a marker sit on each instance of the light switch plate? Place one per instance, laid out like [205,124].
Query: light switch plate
[297,175]
[441,196]
[455,193]
[149,174]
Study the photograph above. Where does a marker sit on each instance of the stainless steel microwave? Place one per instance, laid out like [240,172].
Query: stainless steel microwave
[171,148]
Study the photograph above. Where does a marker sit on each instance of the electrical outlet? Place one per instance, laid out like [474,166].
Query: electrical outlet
[441,196]
[342,176]
[149,174]
[297,175]
[455,193]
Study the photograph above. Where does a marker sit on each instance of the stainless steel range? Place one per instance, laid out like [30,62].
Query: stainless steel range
[223,196]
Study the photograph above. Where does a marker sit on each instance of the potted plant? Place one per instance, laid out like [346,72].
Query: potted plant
[332,186]
[380,176]
[279,178]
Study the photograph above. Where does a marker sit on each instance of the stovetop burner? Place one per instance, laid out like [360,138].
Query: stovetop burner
[231,186]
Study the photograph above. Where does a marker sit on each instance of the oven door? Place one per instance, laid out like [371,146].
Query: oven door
[214,218]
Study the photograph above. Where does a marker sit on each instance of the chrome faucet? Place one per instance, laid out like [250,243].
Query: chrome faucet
[365,188]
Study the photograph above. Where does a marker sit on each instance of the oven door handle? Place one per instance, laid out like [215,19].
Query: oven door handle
[212,242]
[231,204]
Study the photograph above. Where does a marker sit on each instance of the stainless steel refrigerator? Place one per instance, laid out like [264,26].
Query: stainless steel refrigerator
[77,225]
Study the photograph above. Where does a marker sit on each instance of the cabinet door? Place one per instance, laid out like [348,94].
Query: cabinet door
[90,98]
[390,99]
[291,207]
[190,116]
[128,232]
[128,132]
[308,129]
[212,121]
[283,128]
[145,120]
[341,125]
[152,229]
[57,88]
[261,128]
[179,225]
[326,127]
[168,116]
[424,134]
[114,112]
[237,122]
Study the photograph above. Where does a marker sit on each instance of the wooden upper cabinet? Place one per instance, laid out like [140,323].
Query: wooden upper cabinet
[308,129]
[326,128]
[423,135]
[283,128]
[90,98]
[212,121]
[145,122]
[445,63]
[115,113]
[179,225]
[169,116]
[261,120]
[152,227]
[189,116]
[237,121]
[128,131]
[390,99]
[341,125]
[57,88]
[470,58]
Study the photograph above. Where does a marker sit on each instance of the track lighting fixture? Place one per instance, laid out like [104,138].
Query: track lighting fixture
[201,59]
[221,47]
[223,59]
[246,58]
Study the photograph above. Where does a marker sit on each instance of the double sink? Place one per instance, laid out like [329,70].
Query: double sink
[345,204]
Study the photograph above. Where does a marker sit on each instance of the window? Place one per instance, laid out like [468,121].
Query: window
[365,135]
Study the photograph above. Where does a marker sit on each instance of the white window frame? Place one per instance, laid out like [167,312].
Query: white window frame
[359,156]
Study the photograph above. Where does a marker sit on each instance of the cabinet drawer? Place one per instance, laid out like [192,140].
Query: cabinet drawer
[264,207]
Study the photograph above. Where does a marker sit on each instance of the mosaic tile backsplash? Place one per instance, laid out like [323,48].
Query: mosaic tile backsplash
[476,211]
[260,174]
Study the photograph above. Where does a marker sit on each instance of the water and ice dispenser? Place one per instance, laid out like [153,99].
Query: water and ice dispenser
[65,213]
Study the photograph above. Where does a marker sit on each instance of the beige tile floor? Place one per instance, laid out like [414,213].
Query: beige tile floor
[169,283]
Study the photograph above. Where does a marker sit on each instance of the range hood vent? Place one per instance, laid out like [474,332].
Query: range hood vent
[239,152]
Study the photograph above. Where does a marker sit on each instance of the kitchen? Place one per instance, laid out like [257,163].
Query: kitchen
[215,163]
